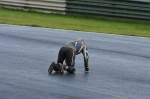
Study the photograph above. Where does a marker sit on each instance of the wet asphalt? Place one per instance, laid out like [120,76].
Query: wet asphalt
[119,65]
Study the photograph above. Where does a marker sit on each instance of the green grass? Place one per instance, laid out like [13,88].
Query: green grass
[74,22]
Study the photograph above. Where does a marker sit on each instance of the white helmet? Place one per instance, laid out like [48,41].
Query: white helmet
[80,40]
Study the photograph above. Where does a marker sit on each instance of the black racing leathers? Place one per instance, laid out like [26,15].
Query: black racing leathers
[68,53]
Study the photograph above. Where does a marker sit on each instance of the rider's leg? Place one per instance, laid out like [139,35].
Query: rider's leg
[70,61]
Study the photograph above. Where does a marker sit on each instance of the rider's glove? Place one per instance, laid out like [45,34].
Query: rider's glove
[86,68]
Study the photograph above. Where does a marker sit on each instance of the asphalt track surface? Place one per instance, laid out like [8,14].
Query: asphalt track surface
[119,65]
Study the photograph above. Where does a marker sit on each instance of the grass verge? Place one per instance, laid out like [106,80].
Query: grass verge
[74,22]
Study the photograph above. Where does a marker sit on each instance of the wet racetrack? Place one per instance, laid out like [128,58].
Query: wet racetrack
[119,65]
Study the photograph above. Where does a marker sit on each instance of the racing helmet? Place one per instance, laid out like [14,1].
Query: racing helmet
[80,40]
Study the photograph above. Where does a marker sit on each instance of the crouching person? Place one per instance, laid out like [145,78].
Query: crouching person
[68,53]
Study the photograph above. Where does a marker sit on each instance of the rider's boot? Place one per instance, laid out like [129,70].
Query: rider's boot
[51,67]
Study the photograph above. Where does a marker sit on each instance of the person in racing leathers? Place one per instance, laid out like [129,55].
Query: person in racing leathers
[68,53]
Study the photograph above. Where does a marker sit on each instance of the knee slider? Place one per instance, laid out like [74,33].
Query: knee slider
[70,69]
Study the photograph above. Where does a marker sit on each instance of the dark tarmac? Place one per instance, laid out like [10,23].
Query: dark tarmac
[119,65]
